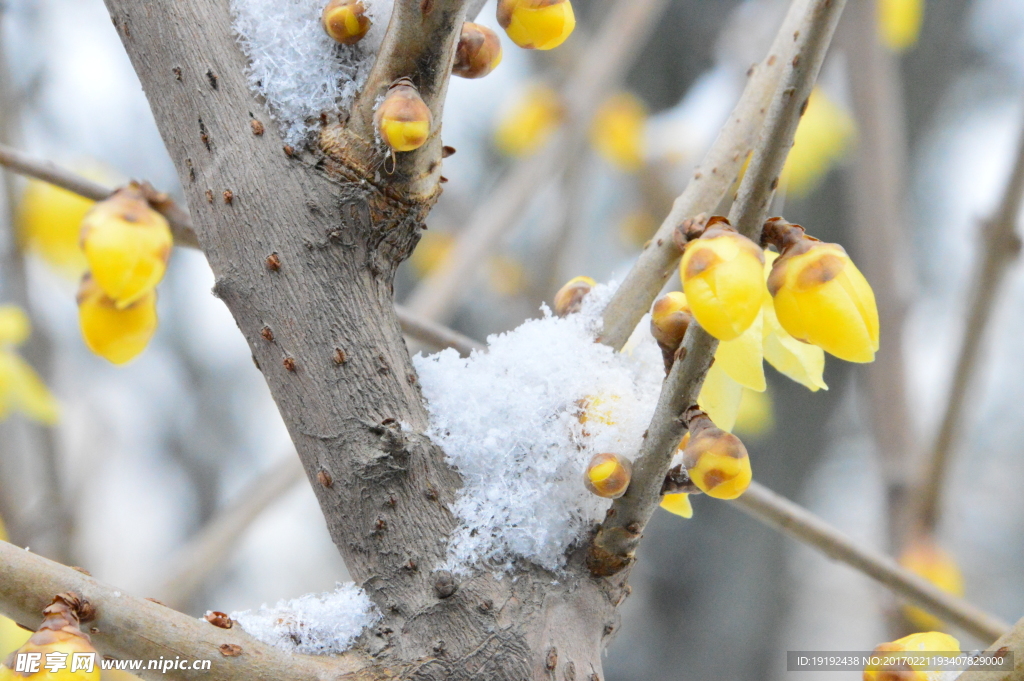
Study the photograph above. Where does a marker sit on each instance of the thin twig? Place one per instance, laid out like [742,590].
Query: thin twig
[782,514]
[613,546]
[127,627]
[46,171]
[434,334]
[192,565]
[711,180]
[877,193]
[601,67]
[1001,246]
[414,326]
[1010,642]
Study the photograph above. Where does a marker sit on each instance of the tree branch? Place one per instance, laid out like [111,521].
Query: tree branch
[789,518]
[613,547]
[127,627]
[23,164]
[1000,247]
[711,180]
[1011,641]
[600,68]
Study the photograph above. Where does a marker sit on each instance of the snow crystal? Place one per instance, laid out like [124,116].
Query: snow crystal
[515,423]
[314,624]
[296,67]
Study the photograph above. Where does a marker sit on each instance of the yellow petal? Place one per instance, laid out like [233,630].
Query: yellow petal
[720,397]
[801,362]
[821,141]
[742,357]
[617,132]
[24,391]
[678,504]
[48,219]
[127,244]
[899,22]
[14,325]
[931,641]
[12,637]
[116,334]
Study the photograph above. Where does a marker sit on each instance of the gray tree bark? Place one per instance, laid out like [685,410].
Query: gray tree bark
[307,248]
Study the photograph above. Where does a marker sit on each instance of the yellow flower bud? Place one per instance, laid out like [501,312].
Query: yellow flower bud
[115,333]
[925,558]
[526,126]
[717,461]
[670,317]
[678,504]
[478,52]
[127,244]
[569,298]
[59,634]
[617,132]
[608,475]
[537,24]
[932,641]
[403,119]
[723,281]
[821,297]
[48,219]
[14,325]
[346,21]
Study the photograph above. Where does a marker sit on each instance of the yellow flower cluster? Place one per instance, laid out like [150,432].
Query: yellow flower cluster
[21,389]
[127,245]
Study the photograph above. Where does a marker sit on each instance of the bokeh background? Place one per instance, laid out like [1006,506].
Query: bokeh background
[173,476]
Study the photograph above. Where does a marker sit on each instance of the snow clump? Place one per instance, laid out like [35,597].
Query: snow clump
[521,422]
[314,624]
[296,67]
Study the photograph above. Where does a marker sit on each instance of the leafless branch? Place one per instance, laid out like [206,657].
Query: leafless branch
[204,554]
[1000,247]
[133,628]
[792,519]
[600,68]
[877,184]
[613,547]
[1011,641]
[710,182]
[436,335]
[46,171]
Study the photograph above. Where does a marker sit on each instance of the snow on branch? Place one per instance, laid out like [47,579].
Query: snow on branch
[520,423]
[296,67]
[313,624]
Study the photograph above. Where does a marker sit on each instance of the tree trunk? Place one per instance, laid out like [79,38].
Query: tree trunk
[304,251]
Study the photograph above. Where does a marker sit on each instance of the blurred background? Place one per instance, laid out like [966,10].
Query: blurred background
[173,476]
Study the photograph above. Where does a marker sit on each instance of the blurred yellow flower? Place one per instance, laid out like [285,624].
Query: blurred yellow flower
[48,219]
[21,389]
[678,504]
[506,276]
[720,397]
[931,641]
[617,131]
[756,413]
[899,23]
[822,139]
[430,252]
[117,334]
[926,559]
[528,124]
